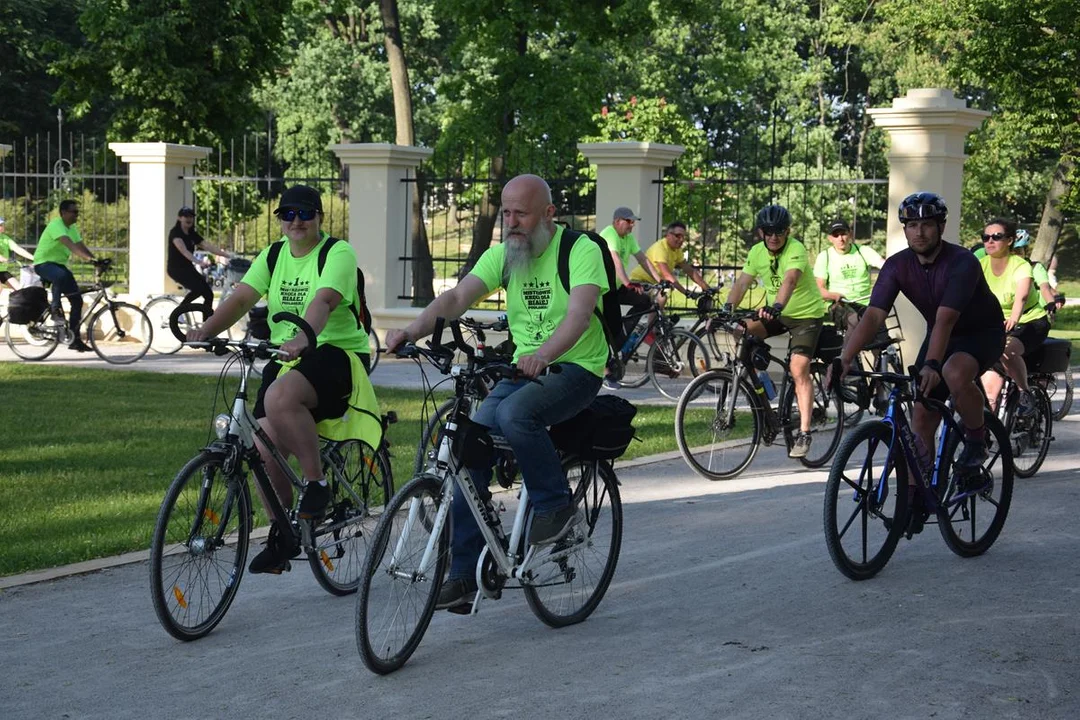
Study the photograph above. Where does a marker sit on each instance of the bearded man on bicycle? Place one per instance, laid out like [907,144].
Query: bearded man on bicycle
[965,326]
[551,327]
[793,305]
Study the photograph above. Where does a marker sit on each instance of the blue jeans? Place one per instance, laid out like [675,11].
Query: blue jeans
[63,283]
[521,411]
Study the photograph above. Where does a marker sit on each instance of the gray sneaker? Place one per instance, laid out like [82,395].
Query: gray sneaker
[552,527]
[455,594]
[1026,407]
[801,446]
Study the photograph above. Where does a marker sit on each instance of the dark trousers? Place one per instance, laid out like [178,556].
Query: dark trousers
[192,279]
[63,283]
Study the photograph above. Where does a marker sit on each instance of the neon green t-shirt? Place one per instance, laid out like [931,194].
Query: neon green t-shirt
[5,247]
[1040,274]
[1004,287]
[848,274]
[659,252]
[624,247]
[49,247]
[979,253]
[805,301]
[294,284]
[536,303]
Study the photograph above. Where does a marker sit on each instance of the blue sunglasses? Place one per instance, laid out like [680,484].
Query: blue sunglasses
[291,214]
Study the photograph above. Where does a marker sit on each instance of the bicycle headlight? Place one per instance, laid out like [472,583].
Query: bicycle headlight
[221,425]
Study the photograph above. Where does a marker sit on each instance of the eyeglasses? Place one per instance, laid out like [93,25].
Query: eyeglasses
[995,237]
[772,231]
[677,235]
[291,214]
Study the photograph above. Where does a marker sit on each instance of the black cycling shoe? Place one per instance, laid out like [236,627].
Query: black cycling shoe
[972,457]
[78,346]
[274,557]
[457,595]
[550,527]
[313,504]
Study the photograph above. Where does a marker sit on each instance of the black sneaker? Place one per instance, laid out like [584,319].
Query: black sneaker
[550,527]
[275,555]
[1026,407]
[801,446]
[973,456]
[313,504]
[456,593]
[78,346]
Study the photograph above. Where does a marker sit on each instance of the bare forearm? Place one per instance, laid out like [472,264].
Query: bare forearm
[448,305]
[862,334]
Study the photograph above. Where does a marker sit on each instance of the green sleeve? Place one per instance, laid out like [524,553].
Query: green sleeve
[797,259]
[489,267]
[587,266]
[339,272]
[258,275]
[611,237]
[821,265]
[873,258]
[753,261]
[1040,274]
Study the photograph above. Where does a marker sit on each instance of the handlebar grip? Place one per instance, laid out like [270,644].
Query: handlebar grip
[300,323]
[181,309]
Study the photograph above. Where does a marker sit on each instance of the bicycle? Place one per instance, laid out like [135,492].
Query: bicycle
[407,561]
[1029,436]
[873,396]
[725,415]
[675,356]
[866,497]
[1049,368]
[118,332]
[200,542]
[159,309]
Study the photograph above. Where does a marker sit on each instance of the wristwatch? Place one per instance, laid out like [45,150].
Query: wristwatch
[934,365]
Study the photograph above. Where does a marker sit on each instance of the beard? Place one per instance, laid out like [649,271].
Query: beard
[522,249]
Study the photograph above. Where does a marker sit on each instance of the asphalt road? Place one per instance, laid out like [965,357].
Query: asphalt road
[725,604]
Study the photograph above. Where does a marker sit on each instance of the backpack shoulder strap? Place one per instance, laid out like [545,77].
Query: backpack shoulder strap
[330,242]
[272,256]
[569,237]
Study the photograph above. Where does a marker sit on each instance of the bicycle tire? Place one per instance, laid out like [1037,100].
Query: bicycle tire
[35,341]
[341,538]
[704,438]
[565,591]
[635,367]
[1063,384]
[430,439]
[827,418]
[384,637]
[1030,437]
[957,518]
[181,559]
[120,333]
[683,354]
[375,345]
[158,311]
[870,495]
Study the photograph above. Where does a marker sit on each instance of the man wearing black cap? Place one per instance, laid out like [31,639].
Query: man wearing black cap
[623,245]
[843,273]
[318,387]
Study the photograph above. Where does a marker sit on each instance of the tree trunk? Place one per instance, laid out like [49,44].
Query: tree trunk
[487,215]
[423,269]
[1052,218]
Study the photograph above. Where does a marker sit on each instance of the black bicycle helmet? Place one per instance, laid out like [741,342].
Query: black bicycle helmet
[774,216]
[920,205]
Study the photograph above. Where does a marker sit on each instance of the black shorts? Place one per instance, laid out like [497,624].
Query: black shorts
[5,276]
[1031,334]
[985,346]
[328,369]
[802,333]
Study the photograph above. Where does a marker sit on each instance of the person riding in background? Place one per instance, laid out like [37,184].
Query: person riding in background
[666,255]
[59,240]
[623,245]
[552,327]
[9,247]
[306,385]
[183,239]
[1010,279]
[793,305]
[843,274]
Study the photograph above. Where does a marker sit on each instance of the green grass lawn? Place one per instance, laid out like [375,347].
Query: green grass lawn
[86,455]
[1067,326]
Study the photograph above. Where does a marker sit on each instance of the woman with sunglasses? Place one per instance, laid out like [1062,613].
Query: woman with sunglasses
[183,239]
[299,391]
[1010,278]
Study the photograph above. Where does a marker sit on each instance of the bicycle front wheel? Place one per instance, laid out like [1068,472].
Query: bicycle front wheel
[375,345]
[718,425]
[360,485]
[826,419]
[199,546]
[158,311]
[568,579]
[865,501]
[120,333]
[397,592]
[36,340]
[674,360]
[976,504]
[1030,436]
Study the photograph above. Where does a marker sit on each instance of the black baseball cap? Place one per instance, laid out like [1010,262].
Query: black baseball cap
[300,197]
[839,226]
[185,212]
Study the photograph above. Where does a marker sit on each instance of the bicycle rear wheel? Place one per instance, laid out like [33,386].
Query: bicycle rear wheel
[826,419]
[718,425]
[674,360]
[36,340]
[975,505]
[865,501]
[1060,391]
[375,345]
[199,546]
[568,579]
[360,485]
[120,333]
[1030,436]
[397,596]
[158,311]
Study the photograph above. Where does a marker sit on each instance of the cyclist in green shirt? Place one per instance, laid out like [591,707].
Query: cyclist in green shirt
[793,306]
[57,243]
[843,273]
[8,247]
[623,245]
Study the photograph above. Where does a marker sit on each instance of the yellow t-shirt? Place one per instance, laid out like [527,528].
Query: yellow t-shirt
[659,252]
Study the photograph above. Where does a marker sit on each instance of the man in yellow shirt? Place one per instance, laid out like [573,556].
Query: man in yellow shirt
[666,254]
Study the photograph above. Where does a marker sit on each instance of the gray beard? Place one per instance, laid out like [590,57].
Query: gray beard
[520,255]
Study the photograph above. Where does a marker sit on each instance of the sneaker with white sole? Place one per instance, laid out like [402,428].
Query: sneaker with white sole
[801,446]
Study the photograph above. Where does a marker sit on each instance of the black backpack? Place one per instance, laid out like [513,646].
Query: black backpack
[359,308]
[611,316]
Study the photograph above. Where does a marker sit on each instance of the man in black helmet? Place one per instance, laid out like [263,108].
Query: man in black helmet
[792,305]
[965,326]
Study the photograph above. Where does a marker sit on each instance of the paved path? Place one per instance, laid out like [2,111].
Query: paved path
[725,604]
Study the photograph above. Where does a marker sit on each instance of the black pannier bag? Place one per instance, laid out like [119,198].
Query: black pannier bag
[1050,357]
[601,431]
[27,305]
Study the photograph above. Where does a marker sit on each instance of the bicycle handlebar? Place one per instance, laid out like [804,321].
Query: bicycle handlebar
[218,346]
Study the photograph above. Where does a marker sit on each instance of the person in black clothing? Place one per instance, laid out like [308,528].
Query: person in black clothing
[181,265]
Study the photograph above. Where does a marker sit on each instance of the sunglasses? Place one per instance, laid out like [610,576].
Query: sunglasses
[291,214]
[996,237]
[772,231]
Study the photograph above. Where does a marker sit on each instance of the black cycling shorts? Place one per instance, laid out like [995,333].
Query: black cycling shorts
[802,333]
[985,346]
[329,371]
[5,276]
[1031,334]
